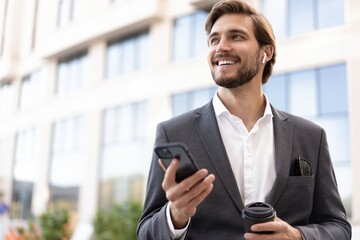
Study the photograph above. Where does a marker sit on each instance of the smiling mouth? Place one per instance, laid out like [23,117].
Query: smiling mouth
[226,62]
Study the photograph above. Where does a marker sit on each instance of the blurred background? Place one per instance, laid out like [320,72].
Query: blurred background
[83,84]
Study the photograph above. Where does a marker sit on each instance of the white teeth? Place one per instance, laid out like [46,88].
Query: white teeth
[226,62]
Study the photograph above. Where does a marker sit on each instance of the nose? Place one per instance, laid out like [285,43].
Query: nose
[223,46]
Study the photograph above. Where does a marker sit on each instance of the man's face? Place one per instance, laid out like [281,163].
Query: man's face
[234,55]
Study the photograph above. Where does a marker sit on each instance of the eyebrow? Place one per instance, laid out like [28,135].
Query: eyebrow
[231,31]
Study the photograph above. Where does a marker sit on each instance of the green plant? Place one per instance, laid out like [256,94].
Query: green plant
[55,225]
[32,232]
[118,223]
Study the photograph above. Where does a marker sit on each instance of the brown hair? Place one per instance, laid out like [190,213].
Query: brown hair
[262,29]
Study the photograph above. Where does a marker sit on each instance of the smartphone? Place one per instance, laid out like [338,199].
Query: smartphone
[187,167]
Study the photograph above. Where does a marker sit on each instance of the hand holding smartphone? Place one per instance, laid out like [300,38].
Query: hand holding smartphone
[168,151]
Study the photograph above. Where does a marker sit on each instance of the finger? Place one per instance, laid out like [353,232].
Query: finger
[202,185]
[196,195]
[187,203]
[170,173]
[181,196]
[189,208]
[202,190]
[162,165]
[255,236]
[268,226]
[193,180]
[181,192]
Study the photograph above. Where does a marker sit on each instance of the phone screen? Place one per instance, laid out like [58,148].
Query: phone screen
[187,167]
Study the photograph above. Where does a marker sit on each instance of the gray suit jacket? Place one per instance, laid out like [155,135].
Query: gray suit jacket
[311,203]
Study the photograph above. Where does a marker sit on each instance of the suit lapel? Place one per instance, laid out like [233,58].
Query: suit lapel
[283,134]
[208,129]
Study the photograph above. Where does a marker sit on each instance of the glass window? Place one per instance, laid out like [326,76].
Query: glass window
[33,89]
[110,120]
[126,127]
[331,13]
[62,13]
[182,41]
[337,131]
[201,46]
[26,170]
[113,60]
[73,9]
[127,55]
[344,179]
[189,37]
[122,170]
[187,101]
[333,89]
[27,153]
[71,73]
[303,93]
[61,78]
[277,18]
[337,127]
[301,16]
[67,159]
[276,91]
[201,97]
[6,96]
[22,199]
[293,17]
[180,103]
[142,50]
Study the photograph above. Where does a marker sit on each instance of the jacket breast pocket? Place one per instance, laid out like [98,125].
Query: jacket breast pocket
[298,194]
[303,185]
[301,180]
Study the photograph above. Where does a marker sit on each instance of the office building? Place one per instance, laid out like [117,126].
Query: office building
[84,83]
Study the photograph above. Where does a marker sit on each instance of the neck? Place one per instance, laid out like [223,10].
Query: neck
[246,102]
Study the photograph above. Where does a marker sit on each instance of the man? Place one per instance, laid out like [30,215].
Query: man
[248,151]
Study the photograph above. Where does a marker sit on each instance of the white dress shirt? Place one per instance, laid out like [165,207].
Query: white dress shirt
[251,155]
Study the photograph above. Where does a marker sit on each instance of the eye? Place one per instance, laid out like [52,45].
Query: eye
[213,41]
[237,37]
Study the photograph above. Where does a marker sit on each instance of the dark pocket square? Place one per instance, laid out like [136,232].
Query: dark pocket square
[302,167]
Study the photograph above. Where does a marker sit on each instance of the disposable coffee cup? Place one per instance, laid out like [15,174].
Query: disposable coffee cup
[257,212]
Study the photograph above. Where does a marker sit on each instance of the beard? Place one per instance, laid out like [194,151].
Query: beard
[243,75]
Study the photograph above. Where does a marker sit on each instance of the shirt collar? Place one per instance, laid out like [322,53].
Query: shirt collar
[220,109]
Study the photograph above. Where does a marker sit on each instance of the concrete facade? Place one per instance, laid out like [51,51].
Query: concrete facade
[30,39]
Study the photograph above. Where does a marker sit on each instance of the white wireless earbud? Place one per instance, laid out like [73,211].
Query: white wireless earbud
[264,58]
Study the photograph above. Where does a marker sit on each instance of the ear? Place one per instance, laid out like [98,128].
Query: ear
[269,50]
